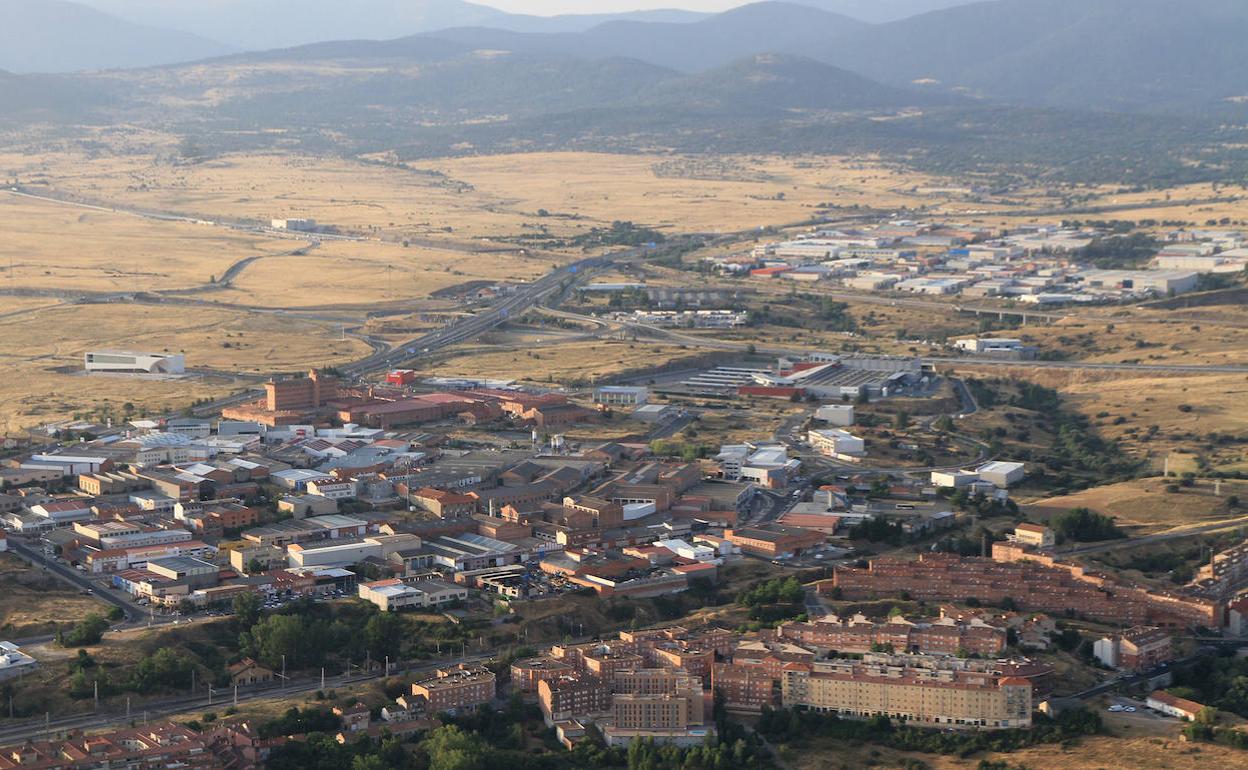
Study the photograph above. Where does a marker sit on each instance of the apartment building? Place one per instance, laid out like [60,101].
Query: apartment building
[927,694]
[1033,581]
[453,689]
[858,634]
[1137,649]
[528,673]
[573,696]
[661,705]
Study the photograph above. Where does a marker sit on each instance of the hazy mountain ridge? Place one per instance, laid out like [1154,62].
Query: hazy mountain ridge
[766,27]
[1143,55]
[59,36]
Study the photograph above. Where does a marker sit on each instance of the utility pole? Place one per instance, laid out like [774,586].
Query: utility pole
[97,696]
[127,707]
[387,667]
[235,696]
[322,678]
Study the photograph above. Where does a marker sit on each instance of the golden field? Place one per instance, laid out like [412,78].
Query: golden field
[43,353]
[46,245]
[556,363]
[29,600]
[485,197]
[1140,752]
[1145,503]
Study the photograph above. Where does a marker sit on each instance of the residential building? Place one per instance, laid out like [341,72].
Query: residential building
[528,673]
[1141,648]
[1034,536]
[451,690]
[916,689]
[1174,706]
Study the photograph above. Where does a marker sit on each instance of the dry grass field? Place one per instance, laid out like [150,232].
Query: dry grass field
[1140,752]
[354,273]
[1123,406]
[1148,338]
[31,603]
[484,197]
[1145,504]
[571,362]
[45,245]
[43,350]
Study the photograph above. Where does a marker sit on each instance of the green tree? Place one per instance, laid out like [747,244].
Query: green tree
[384,635]
[450,748]
[246,610]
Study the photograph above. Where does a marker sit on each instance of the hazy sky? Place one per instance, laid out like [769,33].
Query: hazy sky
[550,7]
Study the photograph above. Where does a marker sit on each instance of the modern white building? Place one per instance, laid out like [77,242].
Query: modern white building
[13,661]
[989,345]
[619,395]
[332,489]
[126,362]
[301,225]
[835,442]
[394,594]
[840,415]
[1001,474]
[954,479]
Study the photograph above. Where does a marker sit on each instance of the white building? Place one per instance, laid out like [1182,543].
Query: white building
[332,489]
[301,225]
[390,595]
[954,479]
[618,395]
[13,661]
[834,442]
[989,345]
[1001,474]
[840,415]
[126,362]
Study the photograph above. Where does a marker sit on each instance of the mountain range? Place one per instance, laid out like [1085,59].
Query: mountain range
[1128,55]
[61,36]
[996,86]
